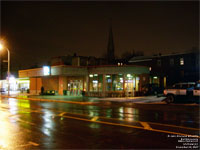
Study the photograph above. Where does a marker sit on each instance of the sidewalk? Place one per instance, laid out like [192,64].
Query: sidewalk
[143,99]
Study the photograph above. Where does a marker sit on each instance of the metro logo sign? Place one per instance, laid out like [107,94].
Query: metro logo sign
[46,70]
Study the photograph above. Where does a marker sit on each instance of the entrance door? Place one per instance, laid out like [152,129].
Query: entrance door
[75,87]
[130,86]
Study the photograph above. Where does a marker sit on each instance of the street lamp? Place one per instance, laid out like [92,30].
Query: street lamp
[8,73]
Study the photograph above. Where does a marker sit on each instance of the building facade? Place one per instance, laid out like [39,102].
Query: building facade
[100,81]
[169,69]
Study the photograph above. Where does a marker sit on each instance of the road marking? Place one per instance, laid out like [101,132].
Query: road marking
[95,118]
[33,143]
[61,114]
[86,103]
[130,126]
[146,125]
[25,121]
[140,121]
[28,144]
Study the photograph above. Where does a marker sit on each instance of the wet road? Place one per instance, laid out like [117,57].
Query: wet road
[28,124]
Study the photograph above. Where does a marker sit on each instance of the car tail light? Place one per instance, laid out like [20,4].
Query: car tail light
[165,92]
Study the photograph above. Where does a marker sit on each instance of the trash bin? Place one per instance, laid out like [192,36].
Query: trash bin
[64,92]
[83,93]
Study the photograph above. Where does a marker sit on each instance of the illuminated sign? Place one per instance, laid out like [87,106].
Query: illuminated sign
[46,70]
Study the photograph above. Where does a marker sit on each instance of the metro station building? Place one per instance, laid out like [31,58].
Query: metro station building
[98,81]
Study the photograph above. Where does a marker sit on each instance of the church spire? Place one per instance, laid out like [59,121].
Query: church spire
[110,48]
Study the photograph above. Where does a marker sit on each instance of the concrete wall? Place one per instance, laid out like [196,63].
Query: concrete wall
[82,71]
[62,84]
[31,73]
[118,70]
[69,71]
[50,83]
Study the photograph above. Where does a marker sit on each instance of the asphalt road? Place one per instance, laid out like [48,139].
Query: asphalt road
[26,124]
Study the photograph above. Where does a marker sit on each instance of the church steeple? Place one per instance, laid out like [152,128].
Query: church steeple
[110,48]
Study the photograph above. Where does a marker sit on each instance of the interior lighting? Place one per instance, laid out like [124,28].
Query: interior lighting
[91,75]
[12,79]
[107,76]
[95,81]
[129,75]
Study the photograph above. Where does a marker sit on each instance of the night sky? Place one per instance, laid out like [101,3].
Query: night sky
[37,31]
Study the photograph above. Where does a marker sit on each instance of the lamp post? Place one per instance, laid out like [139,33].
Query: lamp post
[8,73]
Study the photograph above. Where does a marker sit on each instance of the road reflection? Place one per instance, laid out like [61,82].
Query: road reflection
[48,123]
[4,130]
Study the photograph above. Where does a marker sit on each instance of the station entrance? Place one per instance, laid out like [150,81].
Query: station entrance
[75,87]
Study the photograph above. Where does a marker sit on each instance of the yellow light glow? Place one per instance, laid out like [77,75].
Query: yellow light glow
[1,46]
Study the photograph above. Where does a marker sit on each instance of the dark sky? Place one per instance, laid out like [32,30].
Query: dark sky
[37,31]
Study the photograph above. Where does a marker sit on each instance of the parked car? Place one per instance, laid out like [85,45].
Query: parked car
[196,92]
[152,89]
[180,92]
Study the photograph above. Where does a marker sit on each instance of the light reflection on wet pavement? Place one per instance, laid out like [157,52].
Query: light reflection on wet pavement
[28,124]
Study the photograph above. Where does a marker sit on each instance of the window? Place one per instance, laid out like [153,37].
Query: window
[108,82]
[177,86]
[95,82]
[171,61]
[159,62]
[184,86]
[181,61]
[117,84]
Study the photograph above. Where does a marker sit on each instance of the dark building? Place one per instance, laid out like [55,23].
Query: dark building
[77,61]
[172,68]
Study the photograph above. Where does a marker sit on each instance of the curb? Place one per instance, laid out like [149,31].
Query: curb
[49,100]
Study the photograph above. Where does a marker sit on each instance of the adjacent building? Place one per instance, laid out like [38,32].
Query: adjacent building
[172,68]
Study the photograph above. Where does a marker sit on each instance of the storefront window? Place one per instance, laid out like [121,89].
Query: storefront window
[129,83]
[117,84]
[95,82]
[100,83]
[108,82]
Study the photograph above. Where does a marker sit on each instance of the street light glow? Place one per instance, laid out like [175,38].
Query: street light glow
[1,46]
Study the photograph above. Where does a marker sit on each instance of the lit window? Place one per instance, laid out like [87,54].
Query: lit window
[181,61]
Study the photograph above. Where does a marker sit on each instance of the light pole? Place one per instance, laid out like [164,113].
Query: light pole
[8,73]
